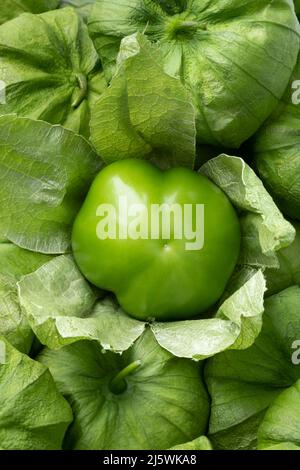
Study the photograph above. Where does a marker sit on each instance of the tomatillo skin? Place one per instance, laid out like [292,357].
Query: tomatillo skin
[162,277]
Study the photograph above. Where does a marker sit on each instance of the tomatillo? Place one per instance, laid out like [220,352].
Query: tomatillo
[164,242]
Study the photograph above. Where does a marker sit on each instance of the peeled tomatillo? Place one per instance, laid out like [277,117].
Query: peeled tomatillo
[164,242]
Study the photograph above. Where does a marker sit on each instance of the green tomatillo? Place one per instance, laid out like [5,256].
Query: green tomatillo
[164,242]
[145,398]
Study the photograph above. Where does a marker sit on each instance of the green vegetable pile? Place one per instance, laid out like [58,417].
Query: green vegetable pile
[116,333]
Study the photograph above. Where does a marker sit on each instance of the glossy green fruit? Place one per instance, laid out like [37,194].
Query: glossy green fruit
[154,272]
